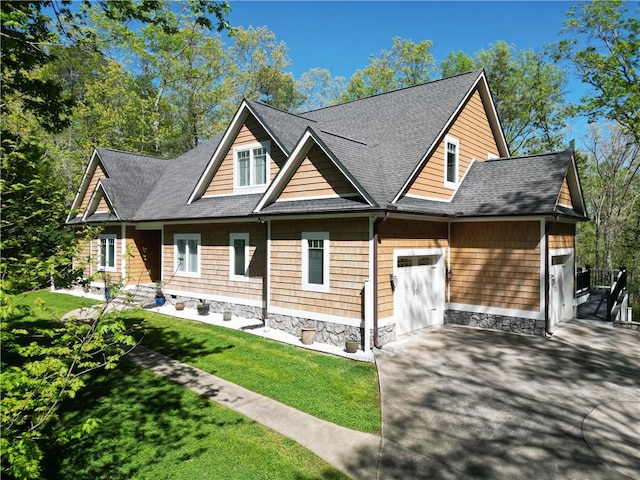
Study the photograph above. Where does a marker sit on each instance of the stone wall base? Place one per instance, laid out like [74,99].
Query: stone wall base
[244,311]
[526,326]
[326,332]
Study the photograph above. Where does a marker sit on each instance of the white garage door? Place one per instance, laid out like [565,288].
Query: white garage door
[419,292]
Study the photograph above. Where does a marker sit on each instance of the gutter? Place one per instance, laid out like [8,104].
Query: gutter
[376,223]
[547,228]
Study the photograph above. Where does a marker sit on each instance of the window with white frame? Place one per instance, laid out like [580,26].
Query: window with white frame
[252,166]
[187,254]
[315,261]
[107,247]
[239,256]
[451,157]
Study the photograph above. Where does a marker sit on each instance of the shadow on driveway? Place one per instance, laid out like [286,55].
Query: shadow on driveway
[460,402]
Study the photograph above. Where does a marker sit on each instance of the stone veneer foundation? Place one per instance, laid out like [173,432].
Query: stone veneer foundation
[326,332]
[489,321]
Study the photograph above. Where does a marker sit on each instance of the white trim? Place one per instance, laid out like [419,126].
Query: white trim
[295,159]
[368,321]
[317,197]
[251,187]
[123,265]
[449,139]
[187,236]
[232,257]
[492,117]
[216,298]
[268,279]
[432,199]
[323,317]
[325,286]
[492,156]
[542,270]
[83,188]
[386,321]
[93,202]
[162,253]
[507,312]
[102,267]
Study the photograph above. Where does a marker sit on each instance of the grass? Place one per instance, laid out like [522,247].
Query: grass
[151,428]
[338,390]
[49,307]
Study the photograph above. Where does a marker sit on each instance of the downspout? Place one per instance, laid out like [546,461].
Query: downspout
[376,223]
[547,229]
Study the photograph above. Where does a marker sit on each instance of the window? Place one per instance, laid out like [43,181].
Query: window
[451,162]
[107,252]
[187,254]
[252,166]
[239,256]
[315,261]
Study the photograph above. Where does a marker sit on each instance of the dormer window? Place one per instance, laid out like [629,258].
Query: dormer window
[451,148]
[251,167]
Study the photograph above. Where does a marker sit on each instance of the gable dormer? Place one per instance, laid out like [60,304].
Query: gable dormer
[570,195]
[94,172]
[246,161]
[99,203]
[469,138]
[313,172]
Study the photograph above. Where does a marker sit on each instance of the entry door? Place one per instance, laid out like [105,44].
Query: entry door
[419,293]
[561,288]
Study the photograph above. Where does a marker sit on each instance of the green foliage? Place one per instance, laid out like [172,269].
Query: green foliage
[609,62]
[406,64]
[44,362]
[528,93]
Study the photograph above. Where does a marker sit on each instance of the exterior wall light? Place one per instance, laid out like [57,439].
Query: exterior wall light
[394,281]
[449,274]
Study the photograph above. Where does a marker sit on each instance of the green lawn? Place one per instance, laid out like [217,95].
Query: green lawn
[338,390]
[151,428]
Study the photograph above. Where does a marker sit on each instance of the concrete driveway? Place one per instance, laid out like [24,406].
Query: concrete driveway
[459,402]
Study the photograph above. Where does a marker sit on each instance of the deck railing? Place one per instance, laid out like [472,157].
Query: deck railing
[618,293]
[583,280]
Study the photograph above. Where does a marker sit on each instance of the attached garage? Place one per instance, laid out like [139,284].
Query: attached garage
[419,279]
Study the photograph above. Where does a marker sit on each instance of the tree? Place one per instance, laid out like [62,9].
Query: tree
[609,62]
[612,192]
[258,64]
[527,90]
[319,89]
[406,64]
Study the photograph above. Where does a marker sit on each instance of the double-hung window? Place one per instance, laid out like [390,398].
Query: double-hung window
[107,252]
[451,161]
[252,167]
[239,256]
[187,254]
[315,261]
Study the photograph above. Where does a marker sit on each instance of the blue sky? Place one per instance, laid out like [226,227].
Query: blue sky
[340,36]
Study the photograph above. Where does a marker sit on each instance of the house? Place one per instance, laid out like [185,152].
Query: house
[368,219]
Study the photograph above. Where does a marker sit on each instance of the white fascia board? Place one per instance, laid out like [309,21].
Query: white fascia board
[309,137]
[491,115]
[77,200]
[218,155]
[573,180]
[93,202]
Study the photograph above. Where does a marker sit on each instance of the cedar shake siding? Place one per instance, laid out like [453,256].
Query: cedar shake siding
[103,206]
[348,262]
[476,140]
[317,176]
[496,264]
[402,234]
[83,258]
[562,235]
[565,195]
[214,278]
[98,173]
[251,132]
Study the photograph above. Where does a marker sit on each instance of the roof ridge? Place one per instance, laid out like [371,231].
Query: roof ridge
[131,153]
[477,72]
[530,155]
[248,100]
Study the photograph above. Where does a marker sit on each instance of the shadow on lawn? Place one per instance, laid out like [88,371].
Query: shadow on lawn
[143,418]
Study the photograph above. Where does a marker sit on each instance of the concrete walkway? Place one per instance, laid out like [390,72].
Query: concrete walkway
[335,444]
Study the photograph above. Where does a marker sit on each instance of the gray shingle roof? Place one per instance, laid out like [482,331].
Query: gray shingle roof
[380,140]
[512,186]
